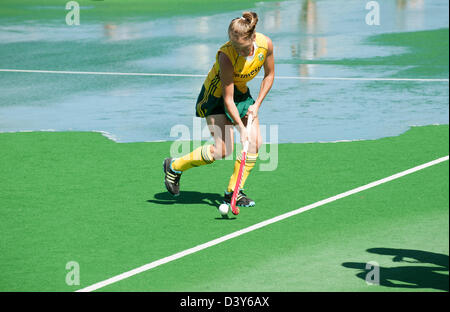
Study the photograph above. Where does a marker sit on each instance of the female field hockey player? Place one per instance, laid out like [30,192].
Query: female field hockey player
[225,100]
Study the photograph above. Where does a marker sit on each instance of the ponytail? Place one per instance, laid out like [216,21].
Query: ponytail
[243,26]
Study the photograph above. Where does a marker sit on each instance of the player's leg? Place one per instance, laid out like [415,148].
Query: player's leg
[221,130]
[254,135]
[173,168]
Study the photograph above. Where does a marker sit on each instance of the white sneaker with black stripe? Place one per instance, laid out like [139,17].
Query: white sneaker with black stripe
[172,177]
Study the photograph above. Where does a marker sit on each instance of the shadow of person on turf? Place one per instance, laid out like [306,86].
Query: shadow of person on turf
[413,256]
[430,276]
[187,197]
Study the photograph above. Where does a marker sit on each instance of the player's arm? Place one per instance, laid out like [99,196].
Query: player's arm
[227,81]
[269,75]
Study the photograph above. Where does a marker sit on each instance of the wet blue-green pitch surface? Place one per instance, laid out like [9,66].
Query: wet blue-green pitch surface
[312,39]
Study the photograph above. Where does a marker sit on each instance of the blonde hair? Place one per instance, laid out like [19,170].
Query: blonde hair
[243,27]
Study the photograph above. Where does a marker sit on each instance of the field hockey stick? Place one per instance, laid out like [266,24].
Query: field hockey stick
[237,187]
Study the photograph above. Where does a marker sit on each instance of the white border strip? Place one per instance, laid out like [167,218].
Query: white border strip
[192,75]
[222,239]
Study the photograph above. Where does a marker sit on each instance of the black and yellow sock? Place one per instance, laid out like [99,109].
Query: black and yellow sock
[249,165]
[198,157]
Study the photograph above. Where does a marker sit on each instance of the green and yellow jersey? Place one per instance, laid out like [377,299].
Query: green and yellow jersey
[245,68]
[210,100]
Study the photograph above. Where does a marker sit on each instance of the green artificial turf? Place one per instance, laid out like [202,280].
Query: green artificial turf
[77,196]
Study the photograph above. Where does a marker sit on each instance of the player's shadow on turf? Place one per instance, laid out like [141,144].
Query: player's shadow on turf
[409,276]
[187,197]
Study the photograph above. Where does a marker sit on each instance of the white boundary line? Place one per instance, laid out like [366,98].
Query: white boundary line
[94,73]
[222,239]
[192,75]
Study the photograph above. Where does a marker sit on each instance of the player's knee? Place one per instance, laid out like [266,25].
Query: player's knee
[221,151]
[257,145]
[228,151]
